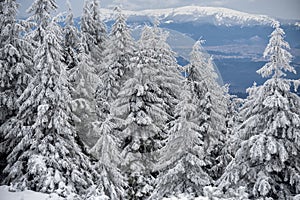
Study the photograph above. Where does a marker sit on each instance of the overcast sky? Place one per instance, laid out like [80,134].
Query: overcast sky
[285,9]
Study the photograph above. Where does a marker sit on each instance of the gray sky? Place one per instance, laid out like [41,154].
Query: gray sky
[285,9]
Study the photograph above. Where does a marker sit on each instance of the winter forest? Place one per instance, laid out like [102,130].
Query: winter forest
[96,115]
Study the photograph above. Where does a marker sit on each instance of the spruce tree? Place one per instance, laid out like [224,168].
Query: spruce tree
[210,102]
[120,49]
[71,39]
[110,181]
[183,160]
[84,81]
[267,162]
[94,30]
[41,16]
[47,157]
[15,70]
[167,74]
[141,107]
[15,60]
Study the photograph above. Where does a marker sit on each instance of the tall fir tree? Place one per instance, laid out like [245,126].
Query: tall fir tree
[47,157]
[183,160]
[115,70]
[94,30]
[15,60]
[120,49]
[210,102]
[85,76]
[267,162]
[71,39]
[168,72]
[84,81]
[141,106]
[15,70]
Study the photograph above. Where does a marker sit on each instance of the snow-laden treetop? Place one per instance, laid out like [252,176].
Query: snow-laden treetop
[217,15]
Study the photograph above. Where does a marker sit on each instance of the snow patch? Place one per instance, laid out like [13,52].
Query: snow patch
[5,194]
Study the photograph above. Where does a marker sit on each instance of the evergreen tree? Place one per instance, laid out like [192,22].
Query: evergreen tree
[229,145]
[71,40]
[120,49]
[84,81]
[183,159]
[94,30]
[167,74]
[15,61]
[41,17]
[85,76]
[210,102]
[107,152]
[267,162]
[47,157]
[141,107]
[15,69]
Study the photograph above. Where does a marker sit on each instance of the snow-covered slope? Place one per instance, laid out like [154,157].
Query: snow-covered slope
[216,15]
[24,195]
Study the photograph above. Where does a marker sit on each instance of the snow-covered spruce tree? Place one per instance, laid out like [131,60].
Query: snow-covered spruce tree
[94,29]
[210,102]
[41,17]
[183,158]
[71,39]
[107,149]
[48,157]
[84,81]
[234,105]
[168,72]
[120,49]
[141,106]
[15,71]
[15,60]
[268,161]
[230,143]
[107,152]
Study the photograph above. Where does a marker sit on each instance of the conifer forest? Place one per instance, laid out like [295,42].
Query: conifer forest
[93,114]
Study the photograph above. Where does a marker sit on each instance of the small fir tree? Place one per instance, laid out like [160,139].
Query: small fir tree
[107,152]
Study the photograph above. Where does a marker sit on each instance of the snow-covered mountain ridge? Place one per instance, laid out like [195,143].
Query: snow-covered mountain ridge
[216,15]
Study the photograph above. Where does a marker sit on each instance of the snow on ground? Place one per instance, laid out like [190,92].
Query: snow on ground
[185,197]
[5,194]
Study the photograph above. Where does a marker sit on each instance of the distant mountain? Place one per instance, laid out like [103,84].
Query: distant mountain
[214,15]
